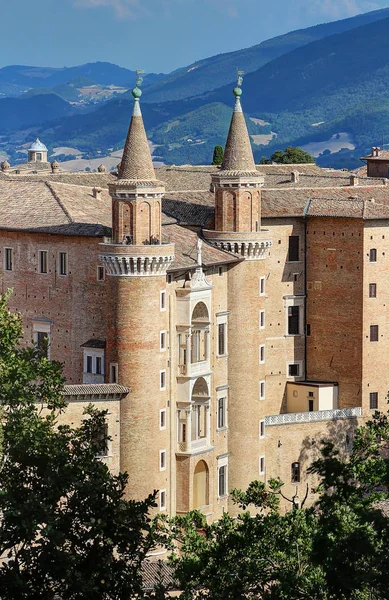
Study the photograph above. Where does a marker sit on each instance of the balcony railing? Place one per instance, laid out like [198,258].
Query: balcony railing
[193,369]
[314,416]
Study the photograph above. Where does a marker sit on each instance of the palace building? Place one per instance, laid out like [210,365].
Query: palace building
[227,318]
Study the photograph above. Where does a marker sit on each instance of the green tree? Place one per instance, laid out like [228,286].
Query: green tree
[334,550]
[66,530]
[291,155]
[218,155]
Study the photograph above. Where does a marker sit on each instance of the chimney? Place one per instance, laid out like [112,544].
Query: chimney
[97,193]
[55,166]
[294,176]
[354,180]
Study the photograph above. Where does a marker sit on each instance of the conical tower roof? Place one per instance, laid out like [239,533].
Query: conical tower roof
[238,155]
[136,163]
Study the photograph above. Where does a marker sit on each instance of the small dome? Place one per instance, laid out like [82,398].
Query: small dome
[5,165]
[237,92]
[101,169]
[37,146]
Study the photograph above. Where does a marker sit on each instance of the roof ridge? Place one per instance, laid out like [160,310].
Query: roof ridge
[59,201]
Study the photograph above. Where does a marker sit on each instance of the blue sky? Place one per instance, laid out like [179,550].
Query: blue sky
[156,35]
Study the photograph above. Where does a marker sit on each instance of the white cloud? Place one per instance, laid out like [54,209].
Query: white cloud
[340,9]
[123,8]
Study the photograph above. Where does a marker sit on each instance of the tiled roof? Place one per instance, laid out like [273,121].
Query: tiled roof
[185,249]
[95,389]
[154,573]
[82,179]
[383,155]
[53,208]
[190,209]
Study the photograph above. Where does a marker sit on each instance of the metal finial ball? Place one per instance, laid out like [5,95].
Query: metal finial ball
[136,92]
[237,92]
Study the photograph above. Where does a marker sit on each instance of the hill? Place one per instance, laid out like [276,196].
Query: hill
[17,113]
[15,79]
[214,72]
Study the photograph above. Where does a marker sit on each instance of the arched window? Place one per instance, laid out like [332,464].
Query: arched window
[201,485]
[200,333]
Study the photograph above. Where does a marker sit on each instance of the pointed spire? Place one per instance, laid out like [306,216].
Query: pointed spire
[136,162]
[238,155]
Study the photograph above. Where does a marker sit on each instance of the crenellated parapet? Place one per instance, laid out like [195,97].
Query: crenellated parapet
[251,245]
[151,260]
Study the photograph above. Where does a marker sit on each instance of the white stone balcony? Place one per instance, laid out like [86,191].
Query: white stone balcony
[93,378]
[194,369]
[314,416]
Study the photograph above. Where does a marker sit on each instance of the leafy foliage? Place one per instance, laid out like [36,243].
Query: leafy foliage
[335,550]
[291,156]
[218,155]
[66,530]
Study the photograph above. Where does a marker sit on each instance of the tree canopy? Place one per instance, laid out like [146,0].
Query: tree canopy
[66,529]
[291,155]
[334,550]
[218,155]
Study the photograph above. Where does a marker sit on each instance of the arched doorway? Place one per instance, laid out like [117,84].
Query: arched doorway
[201,485]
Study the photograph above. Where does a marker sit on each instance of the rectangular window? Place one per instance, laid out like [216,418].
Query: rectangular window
[89,364]
[295,472]
[308,329]
[100,439]
[99,365]
[162,500]
[262,319]
[100,273]
[162,460]
[310,405]
[162,380]
[113,373]
[42,343]
[372,290]
[222,481]
[43,261]
[63,263]
[373,255]
[162,418]
[261,429]
[293,254]
[222,327]
[163,340]
[373,400]
[9,259]
[293,320]
[262,353]
[262,286]
[221,413]
[262,465]
[220,271]
[261,390]
[374,333]
[163,300]
[294,369]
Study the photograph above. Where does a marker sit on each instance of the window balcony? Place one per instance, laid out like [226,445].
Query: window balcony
[194,369]
[93,378]
[314,417]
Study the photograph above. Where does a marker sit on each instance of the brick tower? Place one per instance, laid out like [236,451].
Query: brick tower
[238,229]
[136,262]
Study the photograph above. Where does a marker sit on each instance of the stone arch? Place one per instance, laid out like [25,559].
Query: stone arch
[229,212]
[201,485]
[200,313]
[127,219]
[200,389]
[143,223]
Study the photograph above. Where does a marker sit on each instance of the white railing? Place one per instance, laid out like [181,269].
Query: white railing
[311,417]
[200,443]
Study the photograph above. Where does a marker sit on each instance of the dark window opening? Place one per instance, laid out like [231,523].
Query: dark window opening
[374,400]
[374,333]
[295,472]
[373,255]
[293,320]
[372,290]
[294,250]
